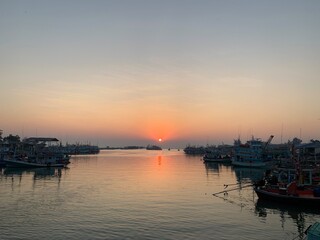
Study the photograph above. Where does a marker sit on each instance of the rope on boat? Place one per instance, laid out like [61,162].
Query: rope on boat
[231,201]
[225,191]
[233,184]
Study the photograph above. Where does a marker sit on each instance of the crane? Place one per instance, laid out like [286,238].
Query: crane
[268,142]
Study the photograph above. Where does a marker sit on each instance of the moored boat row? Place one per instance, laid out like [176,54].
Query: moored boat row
[32,152]
[256,153]
[292,178]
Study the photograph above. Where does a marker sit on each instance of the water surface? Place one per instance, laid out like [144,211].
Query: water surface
[140,194]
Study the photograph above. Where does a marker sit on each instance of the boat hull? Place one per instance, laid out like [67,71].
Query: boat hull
[287,199]
[249,163]
[217,160]
[24,164]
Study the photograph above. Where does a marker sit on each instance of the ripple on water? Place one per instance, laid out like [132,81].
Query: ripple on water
[138,195]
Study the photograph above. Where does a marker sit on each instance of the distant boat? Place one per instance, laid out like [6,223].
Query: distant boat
[194,150]
[153,147]
[80,149]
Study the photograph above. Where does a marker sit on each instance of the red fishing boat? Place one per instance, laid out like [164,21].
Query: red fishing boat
[295,186]
[292,194]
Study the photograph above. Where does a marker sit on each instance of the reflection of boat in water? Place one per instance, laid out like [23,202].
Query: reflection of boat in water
[251,174]
[212,166]
[263,205]
[299,215]
[215,167]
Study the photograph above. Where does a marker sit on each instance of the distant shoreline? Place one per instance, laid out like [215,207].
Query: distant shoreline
[126,148]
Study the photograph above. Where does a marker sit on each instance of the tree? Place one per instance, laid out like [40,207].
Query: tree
[12,139]
[296,141]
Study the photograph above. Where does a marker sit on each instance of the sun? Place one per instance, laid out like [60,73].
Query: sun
[160,140]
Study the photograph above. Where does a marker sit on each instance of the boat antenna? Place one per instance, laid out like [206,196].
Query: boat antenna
[281,132]
[300,133]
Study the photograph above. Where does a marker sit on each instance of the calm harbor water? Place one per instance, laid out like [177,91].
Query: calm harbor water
[140,194]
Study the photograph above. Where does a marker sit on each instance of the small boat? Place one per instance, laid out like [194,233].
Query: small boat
[215,157]
[153,147]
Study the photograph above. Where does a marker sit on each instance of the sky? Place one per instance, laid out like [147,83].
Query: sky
[128,72]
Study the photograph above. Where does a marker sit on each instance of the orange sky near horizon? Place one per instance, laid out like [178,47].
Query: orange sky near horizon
[191,74]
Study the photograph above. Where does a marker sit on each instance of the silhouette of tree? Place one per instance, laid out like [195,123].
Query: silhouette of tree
[12,139]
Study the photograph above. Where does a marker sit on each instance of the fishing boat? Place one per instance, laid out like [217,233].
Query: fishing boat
[297,186]
[194,150]
[291,194]
[252,153]
[36,152]
[216,157]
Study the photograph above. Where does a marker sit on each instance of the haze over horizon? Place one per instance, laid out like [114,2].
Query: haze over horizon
[122,73]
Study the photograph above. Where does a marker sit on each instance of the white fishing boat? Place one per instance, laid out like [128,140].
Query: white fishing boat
[251,154]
